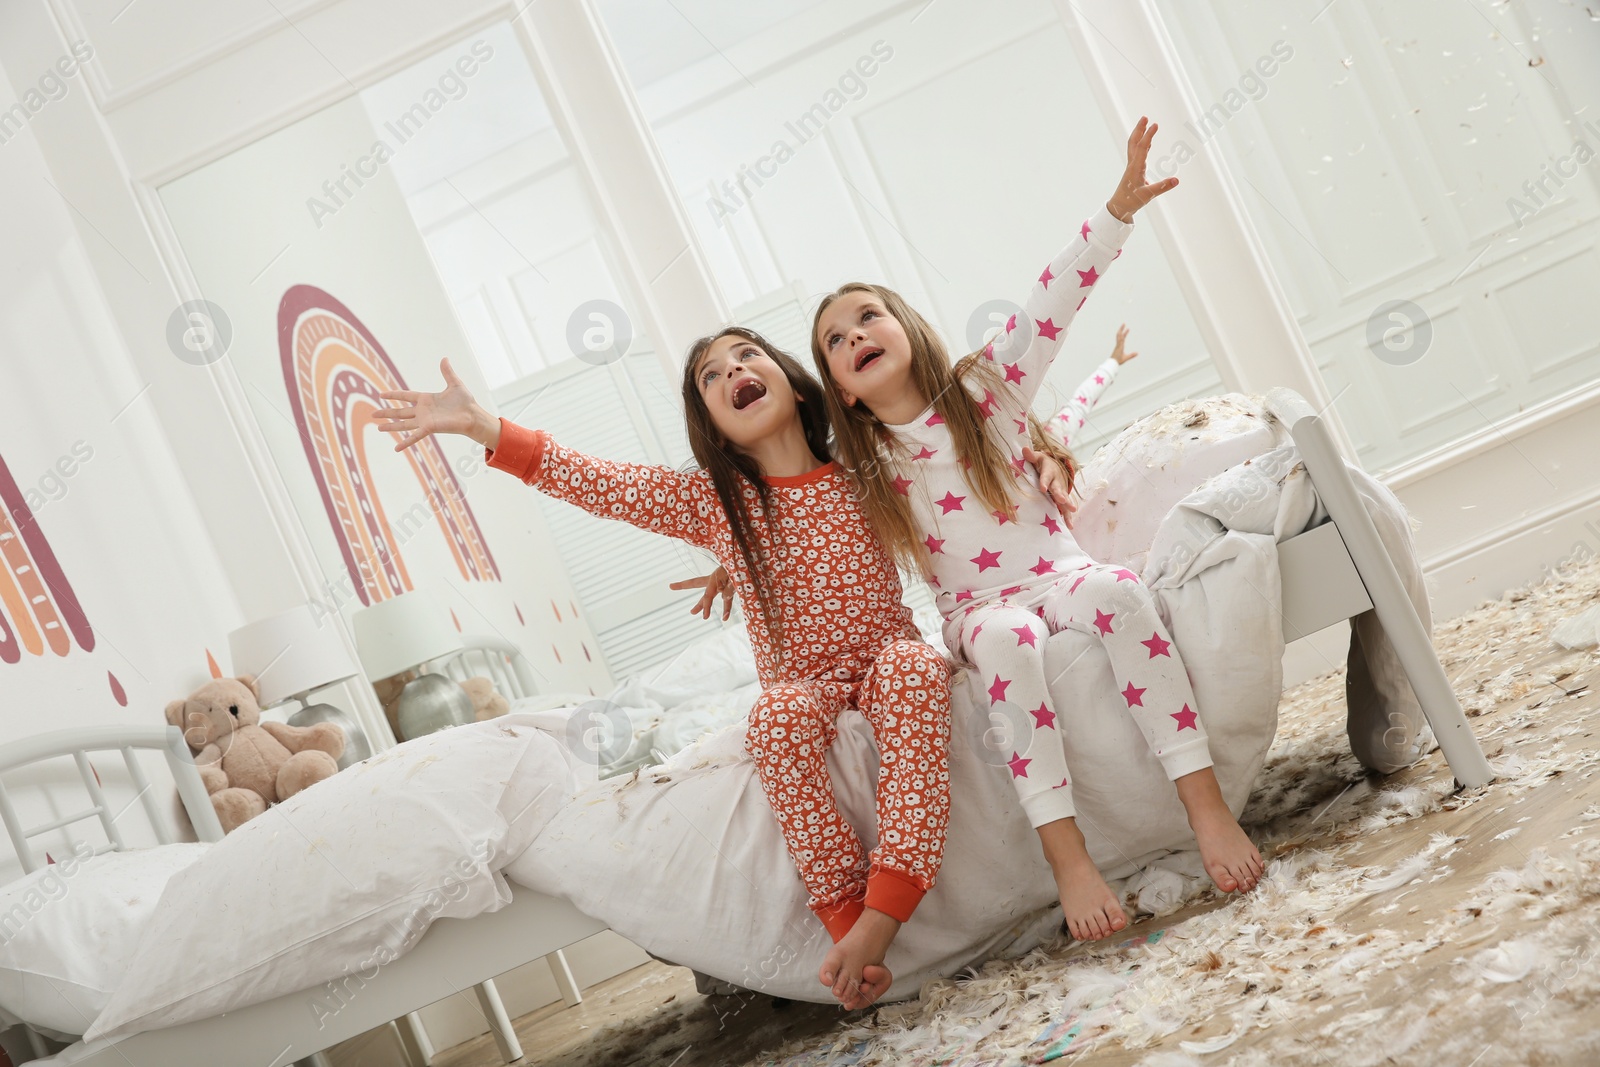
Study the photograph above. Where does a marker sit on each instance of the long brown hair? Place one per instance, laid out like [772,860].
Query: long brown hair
[868,448]
[737,476]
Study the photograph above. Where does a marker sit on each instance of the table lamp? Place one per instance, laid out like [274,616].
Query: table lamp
[292,654]
[403,634]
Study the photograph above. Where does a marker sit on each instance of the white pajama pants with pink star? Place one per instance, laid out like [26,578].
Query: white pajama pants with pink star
[1005,639]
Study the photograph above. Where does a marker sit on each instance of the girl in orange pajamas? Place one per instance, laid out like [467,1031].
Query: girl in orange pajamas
[823,607]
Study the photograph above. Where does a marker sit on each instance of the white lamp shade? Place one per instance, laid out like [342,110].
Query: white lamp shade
[290,654]
[397,634]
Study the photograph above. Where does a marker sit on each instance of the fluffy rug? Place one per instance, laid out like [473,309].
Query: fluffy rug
[1401,920]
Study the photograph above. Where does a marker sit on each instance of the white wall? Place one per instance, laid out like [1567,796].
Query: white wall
[248,235]
[90,461]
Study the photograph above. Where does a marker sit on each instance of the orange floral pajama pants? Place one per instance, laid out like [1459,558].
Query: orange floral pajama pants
[904,693]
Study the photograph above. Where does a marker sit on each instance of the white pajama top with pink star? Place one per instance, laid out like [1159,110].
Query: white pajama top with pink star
[1006,582]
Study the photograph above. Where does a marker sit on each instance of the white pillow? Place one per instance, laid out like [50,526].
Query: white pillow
[345,875]
[69,930]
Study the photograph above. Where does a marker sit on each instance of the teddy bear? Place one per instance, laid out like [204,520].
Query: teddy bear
[248,765]
[486,702]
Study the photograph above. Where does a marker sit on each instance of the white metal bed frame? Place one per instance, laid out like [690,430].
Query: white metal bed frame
[291,1028]
[1330,573]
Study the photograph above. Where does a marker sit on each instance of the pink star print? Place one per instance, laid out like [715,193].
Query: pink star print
[1021,425]
[1063,785]
[1018,765]
[965,594]
[902,486]
[997,691]
[1043,567]
[1000,517]
[987,407]
[988,351]
[1099,379]
[950,502]
[1014,373]
[1085,231]
[1011,324]
[1133,696]
[976,630]
[1042,717]
[926,453]
[1011,590]
[1019,465]
[1082,302]
[1048,329]
[1080,398]
[1102,620]
[1185,719]
[986,559]
[1025,636]
[1157,646]
[1051,524]
[1125,575]
[1046,278]
[935,419]
[935,545]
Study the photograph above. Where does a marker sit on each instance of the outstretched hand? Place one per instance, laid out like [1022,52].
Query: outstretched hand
[424,414]
[713,583]
[1133,192]
[1117,353]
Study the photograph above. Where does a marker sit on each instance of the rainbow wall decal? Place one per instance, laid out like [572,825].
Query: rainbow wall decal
[334,370]
[38,608]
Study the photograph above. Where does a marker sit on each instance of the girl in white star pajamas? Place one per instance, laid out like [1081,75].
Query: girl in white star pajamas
[1008,572]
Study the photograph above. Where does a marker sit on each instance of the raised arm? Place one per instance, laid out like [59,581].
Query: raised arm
[1063,427]
[1024,352]
[658,499]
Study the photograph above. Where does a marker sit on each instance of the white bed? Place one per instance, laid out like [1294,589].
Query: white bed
[1329,573]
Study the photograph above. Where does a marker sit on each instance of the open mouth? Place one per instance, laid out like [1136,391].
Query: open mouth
[747,392]
[866,356]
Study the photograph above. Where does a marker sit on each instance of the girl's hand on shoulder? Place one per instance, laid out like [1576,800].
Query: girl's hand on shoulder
[1133,192]
[423,414]
[1117,353]
[1053,480]
[714,583]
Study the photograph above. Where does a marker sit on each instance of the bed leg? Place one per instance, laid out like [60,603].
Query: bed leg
[414,1036]
[505,1037]
[1412,643]
[562,973]
[316,1059]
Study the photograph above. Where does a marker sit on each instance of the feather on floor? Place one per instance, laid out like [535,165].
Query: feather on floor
[1401,920]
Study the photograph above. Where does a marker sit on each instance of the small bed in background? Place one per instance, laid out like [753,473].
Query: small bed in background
[454,954]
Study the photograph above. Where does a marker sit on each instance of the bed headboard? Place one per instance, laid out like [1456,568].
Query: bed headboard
[502,662]
[77,744]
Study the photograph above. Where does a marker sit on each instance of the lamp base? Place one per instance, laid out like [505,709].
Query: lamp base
[432,702]
[356,746]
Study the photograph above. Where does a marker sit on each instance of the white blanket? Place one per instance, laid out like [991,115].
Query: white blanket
[723,897]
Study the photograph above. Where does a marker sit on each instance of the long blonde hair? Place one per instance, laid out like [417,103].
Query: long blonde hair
[867,447]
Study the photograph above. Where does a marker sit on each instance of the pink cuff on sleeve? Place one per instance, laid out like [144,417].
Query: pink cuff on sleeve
[521,451]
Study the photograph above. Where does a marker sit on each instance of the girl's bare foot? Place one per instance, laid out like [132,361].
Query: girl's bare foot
[853,969]
[1089,907]
[1229,857]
